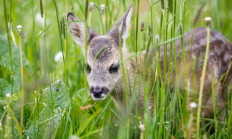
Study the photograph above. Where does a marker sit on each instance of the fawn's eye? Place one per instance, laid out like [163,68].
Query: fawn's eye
[88,68]
[114,68]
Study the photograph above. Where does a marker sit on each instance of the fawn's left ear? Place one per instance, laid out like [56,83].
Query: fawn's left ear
[121,27]
[77,30]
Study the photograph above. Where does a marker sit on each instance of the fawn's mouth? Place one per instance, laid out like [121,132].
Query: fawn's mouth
[98,97]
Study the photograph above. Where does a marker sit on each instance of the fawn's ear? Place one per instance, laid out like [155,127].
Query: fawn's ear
[77,29]
[122,27]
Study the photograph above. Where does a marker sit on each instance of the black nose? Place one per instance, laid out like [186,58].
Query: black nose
[97,91]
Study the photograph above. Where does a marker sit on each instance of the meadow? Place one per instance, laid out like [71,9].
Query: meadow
[43,87]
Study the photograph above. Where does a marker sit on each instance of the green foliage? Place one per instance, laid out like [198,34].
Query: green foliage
[54,104]
[5,66]
[5,87]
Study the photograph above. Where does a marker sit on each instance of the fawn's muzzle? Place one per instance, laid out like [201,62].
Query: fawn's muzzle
[98,93]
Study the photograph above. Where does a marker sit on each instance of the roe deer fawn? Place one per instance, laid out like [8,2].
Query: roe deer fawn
[105,75]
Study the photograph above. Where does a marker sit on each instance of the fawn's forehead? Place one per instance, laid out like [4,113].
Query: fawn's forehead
[102,49]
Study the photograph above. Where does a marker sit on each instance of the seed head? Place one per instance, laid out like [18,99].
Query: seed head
[103,8]
[19,27]
[91,6]
[208,21]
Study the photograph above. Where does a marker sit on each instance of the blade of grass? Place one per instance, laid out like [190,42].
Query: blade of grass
[60,35]
[214,105]
[229,122]
[9,44]
[202,83]
[45,29]
[99,52]
[91,133]
[22,81]
[101,114]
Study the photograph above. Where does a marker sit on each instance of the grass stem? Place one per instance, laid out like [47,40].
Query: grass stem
[202,84]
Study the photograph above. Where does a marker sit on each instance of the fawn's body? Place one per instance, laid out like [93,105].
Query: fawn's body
[105,75]
[190,72]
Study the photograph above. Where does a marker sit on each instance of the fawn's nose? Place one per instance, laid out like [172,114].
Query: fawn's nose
[98,91]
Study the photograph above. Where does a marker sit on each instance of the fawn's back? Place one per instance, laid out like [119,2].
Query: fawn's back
[190,71]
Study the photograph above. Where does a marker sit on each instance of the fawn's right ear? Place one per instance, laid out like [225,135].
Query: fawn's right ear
[77,30]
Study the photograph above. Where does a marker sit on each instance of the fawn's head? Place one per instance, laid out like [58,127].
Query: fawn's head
[103,53]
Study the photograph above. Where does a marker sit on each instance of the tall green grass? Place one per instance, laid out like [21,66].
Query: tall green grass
[44,98]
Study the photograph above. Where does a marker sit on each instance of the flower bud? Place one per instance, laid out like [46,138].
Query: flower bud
[19,27]
[103,8]
[91,6]
[208,21]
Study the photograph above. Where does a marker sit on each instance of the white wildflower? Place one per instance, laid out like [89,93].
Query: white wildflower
[208,19]
[59,57]
[142,127]
[8,95]
[193,105]
[39,19]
